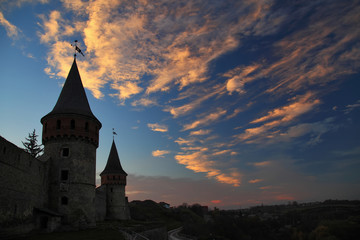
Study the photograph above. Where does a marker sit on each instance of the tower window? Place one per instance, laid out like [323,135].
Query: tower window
[111,189]
[72,124]
[45,128]
[65,152]
[64,175]
[86,126]
[64,200]
[58,124]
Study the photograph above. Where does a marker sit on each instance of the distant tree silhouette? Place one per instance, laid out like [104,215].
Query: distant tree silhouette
[31,145]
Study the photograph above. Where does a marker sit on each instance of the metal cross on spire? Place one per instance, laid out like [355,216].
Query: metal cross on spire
[114,133]
[77,49]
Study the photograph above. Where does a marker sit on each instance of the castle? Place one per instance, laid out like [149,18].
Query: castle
[58,189]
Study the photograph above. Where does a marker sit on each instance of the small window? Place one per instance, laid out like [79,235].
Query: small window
[113,177]
[86,126]
[64,201]
[45,128]
[111,189]
[4,150]
[72,124]
[65,152]
[64,175]
[58,124]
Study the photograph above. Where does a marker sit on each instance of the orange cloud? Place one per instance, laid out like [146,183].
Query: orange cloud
[11,30]
[284,197]
[205,120]
[200,132]
[216,201]
[198,161]
[281,116]
[157,127]
[261,164]
[160,153]
[256,180]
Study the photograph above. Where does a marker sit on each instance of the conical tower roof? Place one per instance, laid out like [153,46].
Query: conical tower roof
[72,99]
[113,165]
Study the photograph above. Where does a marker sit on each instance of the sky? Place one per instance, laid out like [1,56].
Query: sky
[228,104]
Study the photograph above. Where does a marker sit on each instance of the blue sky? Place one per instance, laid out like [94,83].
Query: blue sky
[222,103]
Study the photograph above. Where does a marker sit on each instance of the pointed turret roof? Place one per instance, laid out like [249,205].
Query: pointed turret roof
[73,98]
[113,165]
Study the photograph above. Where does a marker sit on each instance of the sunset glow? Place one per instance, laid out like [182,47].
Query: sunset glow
[243,102]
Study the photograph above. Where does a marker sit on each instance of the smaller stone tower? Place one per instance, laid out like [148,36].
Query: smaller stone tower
[113,180]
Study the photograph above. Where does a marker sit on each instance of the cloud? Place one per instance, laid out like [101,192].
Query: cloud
[221,152]
[126,90]
[256,180]
[351,107]
[199,161]
[11,30]
[205,120]
[313,56]
[261,164]
[301,105]
[278,117]
[172,43]
[285,197]
[196,98]
[239,76]
[144,102]
[200,132]
[157,127]
[160,153]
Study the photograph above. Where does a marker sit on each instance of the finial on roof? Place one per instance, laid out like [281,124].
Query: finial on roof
[77,49]
[114,133]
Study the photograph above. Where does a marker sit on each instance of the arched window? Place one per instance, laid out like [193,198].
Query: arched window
[45,128]
[86,126]
[64,200]
[72,124]
[58,124]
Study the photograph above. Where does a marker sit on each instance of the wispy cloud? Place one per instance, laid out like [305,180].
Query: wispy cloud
[156,127]
[261,164]
[281,116]
[351,107]
[11,30]
[256,180]
[205,120]
[160,153]
[200,132]
[172,42]
[310,57]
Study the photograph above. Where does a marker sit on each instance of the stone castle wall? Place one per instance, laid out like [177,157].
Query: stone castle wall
[24,185]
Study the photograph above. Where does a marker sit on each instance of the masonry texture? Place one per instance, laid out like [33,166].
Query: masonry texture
[57,190]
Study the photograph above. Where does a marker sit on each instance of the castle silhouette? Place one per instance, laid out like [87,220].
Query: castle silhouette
[58,189]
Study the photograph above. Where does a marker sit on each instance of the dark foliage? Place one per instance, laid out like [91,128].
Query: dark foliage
[31,145]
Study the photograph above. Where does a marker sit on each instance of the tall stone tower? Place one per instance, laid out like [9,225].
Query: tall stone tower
[70,137]
[113,182]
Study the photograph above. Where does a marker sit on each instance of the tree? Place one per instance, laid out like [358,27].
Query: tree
[31,145]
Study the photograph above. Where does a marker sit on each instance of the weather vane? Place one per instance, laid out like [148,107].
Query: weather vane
[114,133]
[77,49]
